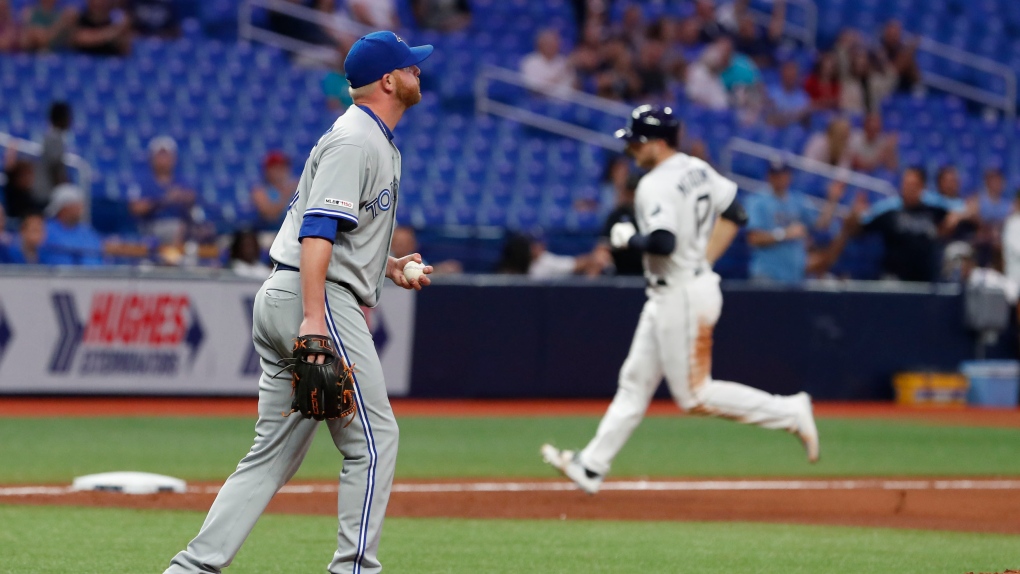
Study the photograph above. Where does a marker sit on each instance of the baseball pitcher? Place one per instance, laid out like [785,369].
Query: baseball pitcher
[678,205]
[331,257]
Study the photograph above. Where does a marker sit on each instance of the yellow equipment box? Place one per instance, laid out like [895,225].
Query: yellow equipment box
[931,389]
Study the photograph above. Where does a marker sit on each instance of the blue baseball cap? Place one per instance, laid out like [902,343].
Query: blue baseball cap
[379,53]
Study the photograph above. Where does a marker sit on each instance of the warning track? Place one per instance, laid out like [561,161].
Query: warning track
[980,505]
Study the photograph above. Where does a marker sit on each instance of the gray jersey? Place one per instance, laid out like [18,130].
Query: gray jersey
[352,176]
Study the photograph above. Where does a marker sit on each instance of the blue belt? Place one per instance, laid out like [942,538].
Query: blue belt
[284,267]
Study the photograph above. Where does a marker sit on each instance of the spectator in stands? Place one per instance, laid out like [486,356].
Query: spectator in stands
[741,79]
[704,78]
[761,45]
[377,14]
[650,70]
[947,184]
[1011,242]
[631,27]
[442,15]
[729,15]
[948,195]
[546,70]
[993,206]
[625,261]
[48,28]
[246,256]
[738,71]
[20,176]
[788,102]
[70,240]
[336,88]
[155,18]
[272,198]
[527,255]
[689,40]
[29,247]
[871,148]
[865,81]
[161,202]
[405,242]
[901,54]
[102,30]
[52,171]
[10,29]
[588,57]
[666,29]
[709,29]
[833,146]
[992,210]
[618,80]
[823,83]
[779,225]
[911,225]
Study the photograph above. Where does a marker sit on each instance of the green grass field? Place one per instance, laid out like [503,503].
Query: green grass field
[42,539]
[111,540]
[56,450]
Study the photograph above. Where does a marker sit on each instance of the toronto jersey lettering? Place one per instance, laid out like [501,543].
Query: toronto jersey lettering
[352,176]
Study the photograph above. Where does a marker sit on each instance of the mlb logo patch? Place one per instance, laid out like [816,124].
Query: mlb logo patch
[339,203]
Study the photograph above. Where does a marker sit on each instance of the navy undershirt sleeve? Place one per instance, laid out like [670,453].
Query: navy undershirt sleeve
[658,242]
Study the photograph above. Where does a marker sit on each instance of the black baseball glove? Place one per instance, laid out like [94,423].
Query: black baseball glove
[322,391]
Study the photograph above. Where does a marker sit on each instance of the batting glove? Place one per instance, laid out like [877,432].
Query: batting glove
[620,234]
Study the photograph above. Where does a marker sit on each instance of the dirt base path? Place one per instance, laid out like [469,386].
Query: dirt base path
[247,407]
[980,505]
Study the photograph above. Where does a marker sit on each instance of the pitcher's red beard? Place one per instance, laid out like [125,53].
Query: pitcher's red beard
[409,93]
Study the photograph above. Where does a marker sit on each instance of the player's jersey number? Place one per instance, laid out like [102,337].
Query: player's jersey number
[702,210]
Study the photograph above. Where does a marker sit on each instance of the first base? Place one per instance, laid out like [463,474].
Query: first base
[129,483]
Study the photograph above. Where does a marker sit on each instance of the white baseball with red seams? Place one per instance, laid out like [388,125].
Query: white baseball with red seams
[413,270]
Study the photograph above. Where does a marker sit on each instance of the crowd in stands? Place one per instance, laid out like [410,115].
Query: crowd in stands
[98,27]
[717,56]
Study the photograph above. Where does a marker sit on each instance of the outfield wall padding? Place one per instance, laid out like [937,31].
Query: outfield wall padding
[839,343]
[130,331]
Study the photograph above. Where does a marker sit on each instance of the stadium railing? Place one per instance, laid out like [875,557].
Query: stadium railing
[485,104]
[73,161]
[806,33]
[248,31]
[1005,101]
[852,178]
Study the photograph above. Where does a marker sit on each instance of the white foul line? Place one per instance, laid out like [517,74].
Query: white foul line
[616,485]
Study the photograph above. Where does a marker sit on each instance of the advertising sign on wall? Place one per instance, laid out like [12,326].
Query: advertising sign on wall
[80,335]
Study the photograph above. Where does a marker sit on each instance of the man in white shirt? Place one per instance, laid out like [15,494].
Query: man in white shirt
[546,70]
[1011,243]
[704,80]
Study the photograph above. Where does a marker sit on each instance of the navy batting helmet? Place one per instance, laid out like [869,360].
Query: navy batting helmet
[651,123]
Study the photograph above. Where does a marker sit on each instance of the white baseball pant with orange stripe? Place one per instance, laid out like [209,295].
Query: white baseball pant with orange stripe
[674,340]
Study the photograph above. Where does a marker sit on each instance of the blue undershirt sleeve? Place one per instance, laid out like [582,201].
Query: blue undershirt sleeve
[321,226]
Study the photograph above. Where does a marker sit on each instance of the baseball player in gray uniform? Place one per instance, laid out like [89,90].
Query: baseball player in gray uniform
[332,256]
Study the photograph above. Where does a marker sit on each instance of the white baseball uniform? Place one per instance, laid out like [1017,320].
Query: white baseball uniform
[682,195]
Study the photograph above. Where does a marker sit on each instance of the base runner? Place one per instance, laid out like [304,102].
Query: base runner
[687,215]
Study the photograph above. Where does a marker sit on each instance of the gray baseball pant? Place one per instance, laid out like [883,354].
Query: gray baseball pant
[368,445]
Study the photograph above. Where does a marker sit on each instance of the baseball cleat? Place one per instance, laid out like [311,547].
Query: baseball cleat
[806,431]
[566,462]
